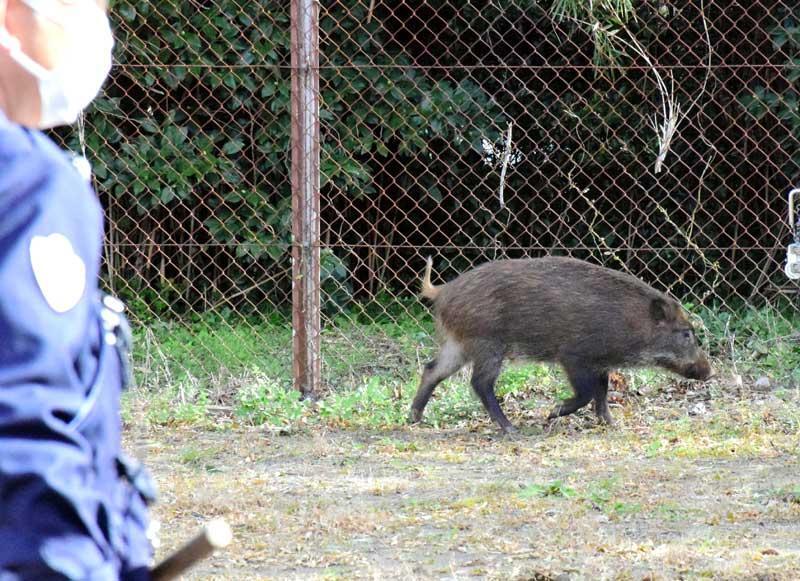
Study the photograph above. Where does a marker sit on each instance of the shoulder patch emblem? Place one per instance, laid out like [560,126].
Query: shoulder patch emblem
[59,271]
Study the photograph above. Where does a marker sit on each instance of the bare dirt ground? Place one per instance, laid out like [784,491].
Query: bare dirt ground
[685,487]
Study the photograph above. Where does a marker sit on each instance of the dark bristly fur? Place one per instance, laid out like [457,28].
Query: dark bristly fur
[588,318]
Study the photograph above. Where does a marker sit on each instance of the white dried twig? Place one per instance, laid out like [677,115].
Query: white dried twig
[671,112]
[667,125]
[506,158]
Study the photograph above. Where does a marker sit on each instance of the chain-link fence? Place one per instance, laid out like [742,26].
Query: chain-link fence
[655,137]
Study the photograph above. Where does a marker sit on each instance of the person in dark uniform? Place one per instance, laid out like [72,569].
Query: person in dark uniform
[72,506]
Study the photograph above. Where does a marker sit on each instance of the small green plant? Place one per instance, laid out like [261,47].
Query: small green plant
[790,495]
[191,455]
[625,508]
[181,402]
[653,448]
[453,403]
[400,445]
[672,511]
[600,493]
[601,496]
[519,379]
[200,458]
[267,402]
[556,489]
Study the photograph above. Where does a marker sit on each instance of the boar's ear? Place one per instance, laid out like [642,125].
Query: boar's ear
[661,311]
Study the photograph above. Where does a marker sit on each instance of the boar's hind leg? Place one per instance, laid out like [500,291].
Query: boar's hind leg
[450,360]
[587,384]
[485,371]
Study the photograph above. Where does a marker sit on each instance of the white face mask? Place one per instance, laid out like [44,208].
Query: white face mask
[82,68]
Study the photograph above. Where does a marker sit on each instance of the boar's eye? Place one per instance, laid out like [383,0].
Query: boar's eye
[687,334]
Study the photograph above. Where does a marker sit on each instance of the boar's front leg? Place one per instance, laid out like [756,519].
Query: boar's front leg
[587,384]
[601,401]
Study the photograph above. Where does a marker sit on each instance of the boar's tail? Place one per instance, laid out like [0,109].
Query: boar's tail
[428,290]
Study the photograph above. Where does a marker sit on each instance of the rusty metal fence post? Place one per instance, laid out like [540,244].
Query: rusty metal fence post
[305,196]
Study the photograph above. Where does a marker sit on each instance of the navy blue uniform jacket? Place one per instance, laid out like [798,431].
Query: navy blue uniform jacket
[65,513]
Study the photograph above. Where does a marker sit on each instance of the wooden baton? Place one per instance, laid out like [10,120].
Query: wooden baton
[215,535]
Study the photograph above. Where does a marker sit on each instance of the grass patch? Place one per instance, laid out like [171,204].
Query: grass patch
[598,495]
[208,349]
[378,402]
[372,360]
[754,341]
[737,428]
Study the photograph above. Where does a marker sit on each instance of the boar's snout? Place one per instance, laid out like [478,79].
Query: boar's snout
[696,368]
[701,369]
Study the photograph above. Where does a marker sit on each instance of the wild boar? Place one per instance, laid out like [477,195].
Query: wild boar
[587,318]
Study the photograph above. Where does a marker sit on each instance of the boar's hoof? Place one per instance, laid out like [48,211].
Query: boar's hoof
[603,415]
[509,430]
[607,420]
[414,416]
